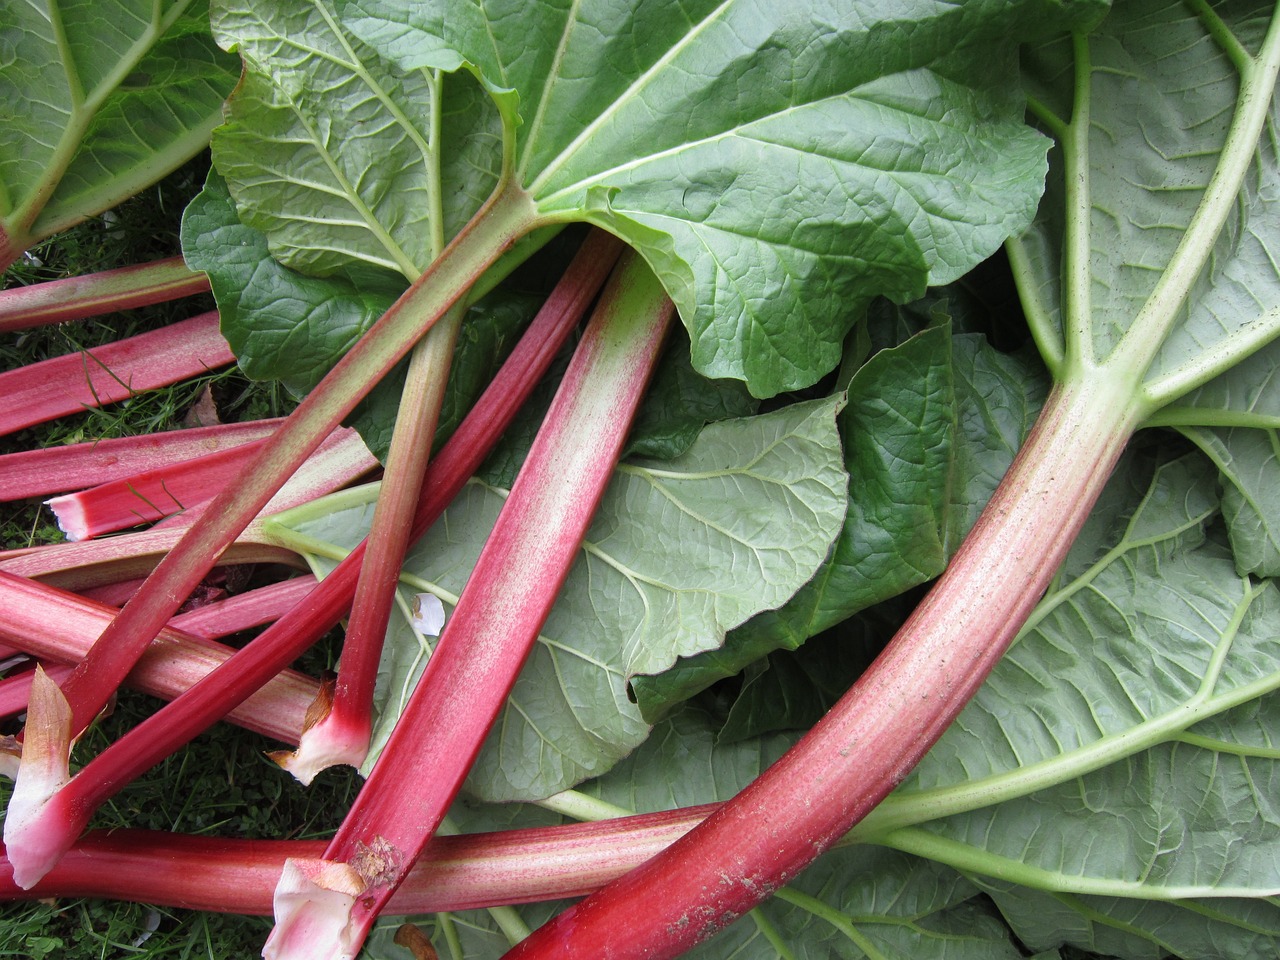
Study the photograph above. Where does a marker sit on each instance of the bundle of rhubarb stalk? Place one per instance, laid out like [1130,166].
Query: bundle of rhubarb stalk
[761,480]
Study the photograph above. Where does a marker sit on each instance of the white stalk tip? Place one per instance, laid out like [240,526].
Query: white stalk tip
[312,905]
[36,834]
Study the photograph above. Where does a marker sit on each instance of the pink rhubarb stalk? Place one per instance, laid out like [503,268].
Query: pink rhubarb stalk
[260,660]
[55,625]
[341,733]
[38,473]
[886,722]
[507,217]
[454,873]
[95,294]
[181,491]
[325,907]
[116,371]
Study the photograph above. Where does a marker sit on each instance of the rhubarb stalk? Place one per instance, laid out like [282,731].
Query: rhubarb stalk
[325,907]
[341,734]
[95,294]
[264,657]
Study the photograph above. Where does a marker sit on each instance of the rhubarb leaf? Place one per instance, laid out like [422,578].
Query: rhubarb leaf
[1148,750]
[1162,92]
[1206,929]
[281,324]
[99,101]
[795,161]
[930,428]
[627,607]
[339,158]
[1247,463]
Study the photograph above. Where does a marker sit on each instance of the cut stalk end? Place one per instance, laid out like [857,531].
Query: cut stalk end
[37,831]
[329,739]
[313,905]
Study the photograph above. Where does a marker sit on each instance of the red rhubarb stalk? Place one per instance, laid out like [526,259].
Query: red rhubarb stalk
[37,473]
[325,907]
[115,371]
[454,873]
[181,491]
[341,734]
[885,723]
[508,216]
[97,293]
[66,814]
[55,625]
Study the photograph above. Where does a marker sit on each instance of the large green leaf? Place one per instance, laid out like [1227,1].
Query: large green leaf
[776,164]
[679,552]
[930,427]
[97,101]
[339,158]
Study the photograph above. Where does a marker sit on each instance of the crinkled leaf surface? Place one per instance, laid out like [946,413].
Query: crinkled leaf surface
[1205,929]
[930,427]
[1122,747]
[776,164]
[339,158]
[98,100]
[281,324]
[680,551]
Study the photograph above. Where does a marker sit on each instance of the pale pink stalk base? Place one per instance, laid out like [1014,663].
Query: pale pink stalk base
[880,729]
[38,473]
[316,896]
[507,598]
[78,381]
[55,625]
[97,293]
[36,822]
[455,873]
[339,738]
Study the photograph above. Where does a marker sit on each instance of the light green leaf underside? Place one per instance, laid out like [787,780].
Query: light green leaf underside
[99,100]
[1242,929]
[679,552]
[1102,754]
[777,164]
[333,153]
[1162,95]
[1248,462]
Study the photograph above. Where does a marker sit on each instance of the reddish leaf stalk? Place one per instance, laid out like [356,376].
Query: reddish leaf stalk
[341,735]
[75,382]
[325,907]
[886,722]
[97,293]
[507,217]
[38,473]
[455,873]
[55,625]
[260,660]
[180,492]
